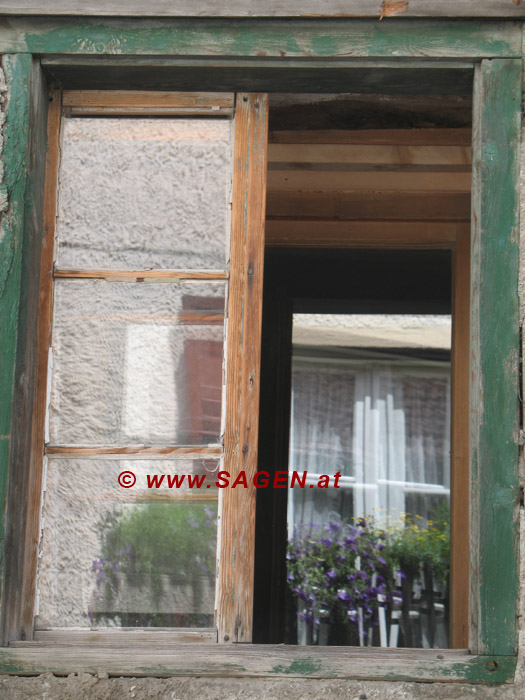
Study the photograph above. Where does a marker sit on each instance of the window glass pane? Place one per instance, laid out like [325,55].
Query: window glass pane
[137,363]
[369,559]
[138,556]
[144,193]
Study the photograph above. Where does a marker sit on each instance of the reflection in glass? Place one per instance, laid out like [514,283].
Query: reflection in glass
[144,193]
[127,557]
[137,363]
[369,561]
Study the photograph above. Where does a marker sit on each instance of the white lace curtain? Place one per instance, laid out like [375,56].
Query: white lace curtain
[384,426]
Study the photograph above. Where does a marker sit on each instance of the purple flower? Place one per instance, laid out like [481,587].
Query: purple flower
[343,595]
[331,574]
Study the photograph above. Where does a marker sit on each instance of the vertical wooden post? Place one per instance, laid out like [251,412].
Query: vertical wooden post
[25,136]
[237,510]
[459,467]
[494,356]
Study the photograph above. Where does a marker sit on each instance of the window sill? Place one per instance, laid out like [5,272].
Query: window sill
[163,658]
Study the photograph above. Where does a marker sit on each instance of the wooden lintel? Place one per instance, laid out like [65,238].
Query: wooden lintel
[268,8]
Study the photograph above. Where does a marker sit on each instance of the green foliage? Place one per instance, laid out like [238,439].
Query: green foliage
[143,544]
[413,543]
[339,568]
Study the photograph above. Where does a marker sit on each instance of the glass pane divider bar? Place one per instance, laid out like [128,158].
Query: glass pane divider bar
[142,274]
[134,451]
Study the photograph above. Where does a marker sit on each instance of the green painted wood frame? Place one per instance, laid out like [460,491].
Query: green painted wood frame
[495,50]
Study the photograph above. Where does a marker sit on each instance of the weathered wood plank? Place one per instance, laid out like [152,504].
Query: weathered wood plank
[268,8]
[237,508]
[153,452]
[494,356]
[344,181]
[256,74]
[30,518]
[340,233]
[303,39]
[318,154]
[459,448]
[270,661]
[153,99]
[378,137]
[142,274]
[124,637]
[23,140]
[449,206]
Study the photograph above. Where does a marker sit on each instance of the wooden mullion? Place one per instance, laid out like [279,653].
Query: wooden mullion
[160,451]
[29,547]
[142,274]
[237,509]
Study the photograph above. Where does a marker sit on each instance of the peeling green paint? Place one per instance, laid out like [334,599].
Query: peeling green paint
[244,38]
[15,155]
[16,134]
[305,666]
[499,96]
[501,81]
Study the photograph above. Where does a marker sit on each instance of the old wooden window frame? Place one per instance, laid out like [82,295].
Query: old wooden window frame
[494,50]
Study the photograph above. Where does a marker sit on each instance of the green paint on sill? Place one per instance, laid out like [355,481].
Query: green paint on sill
[305,666]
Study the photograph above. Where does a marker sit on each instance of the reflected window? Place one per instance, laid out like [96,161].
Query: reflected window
[368,560]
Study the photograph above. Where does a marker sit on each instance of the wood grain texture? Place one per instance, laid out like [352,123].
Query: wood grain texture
[316,154]
[374,205]
[330,233]
[268,8]
[29,548]
[459,448]
[129,637]
[142,274]
[259,660]
[139,451]
[494,357]
[375,137]
[144,99]
[294,180]
[302,38]
[256,74]
[237,509]
[25,142]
